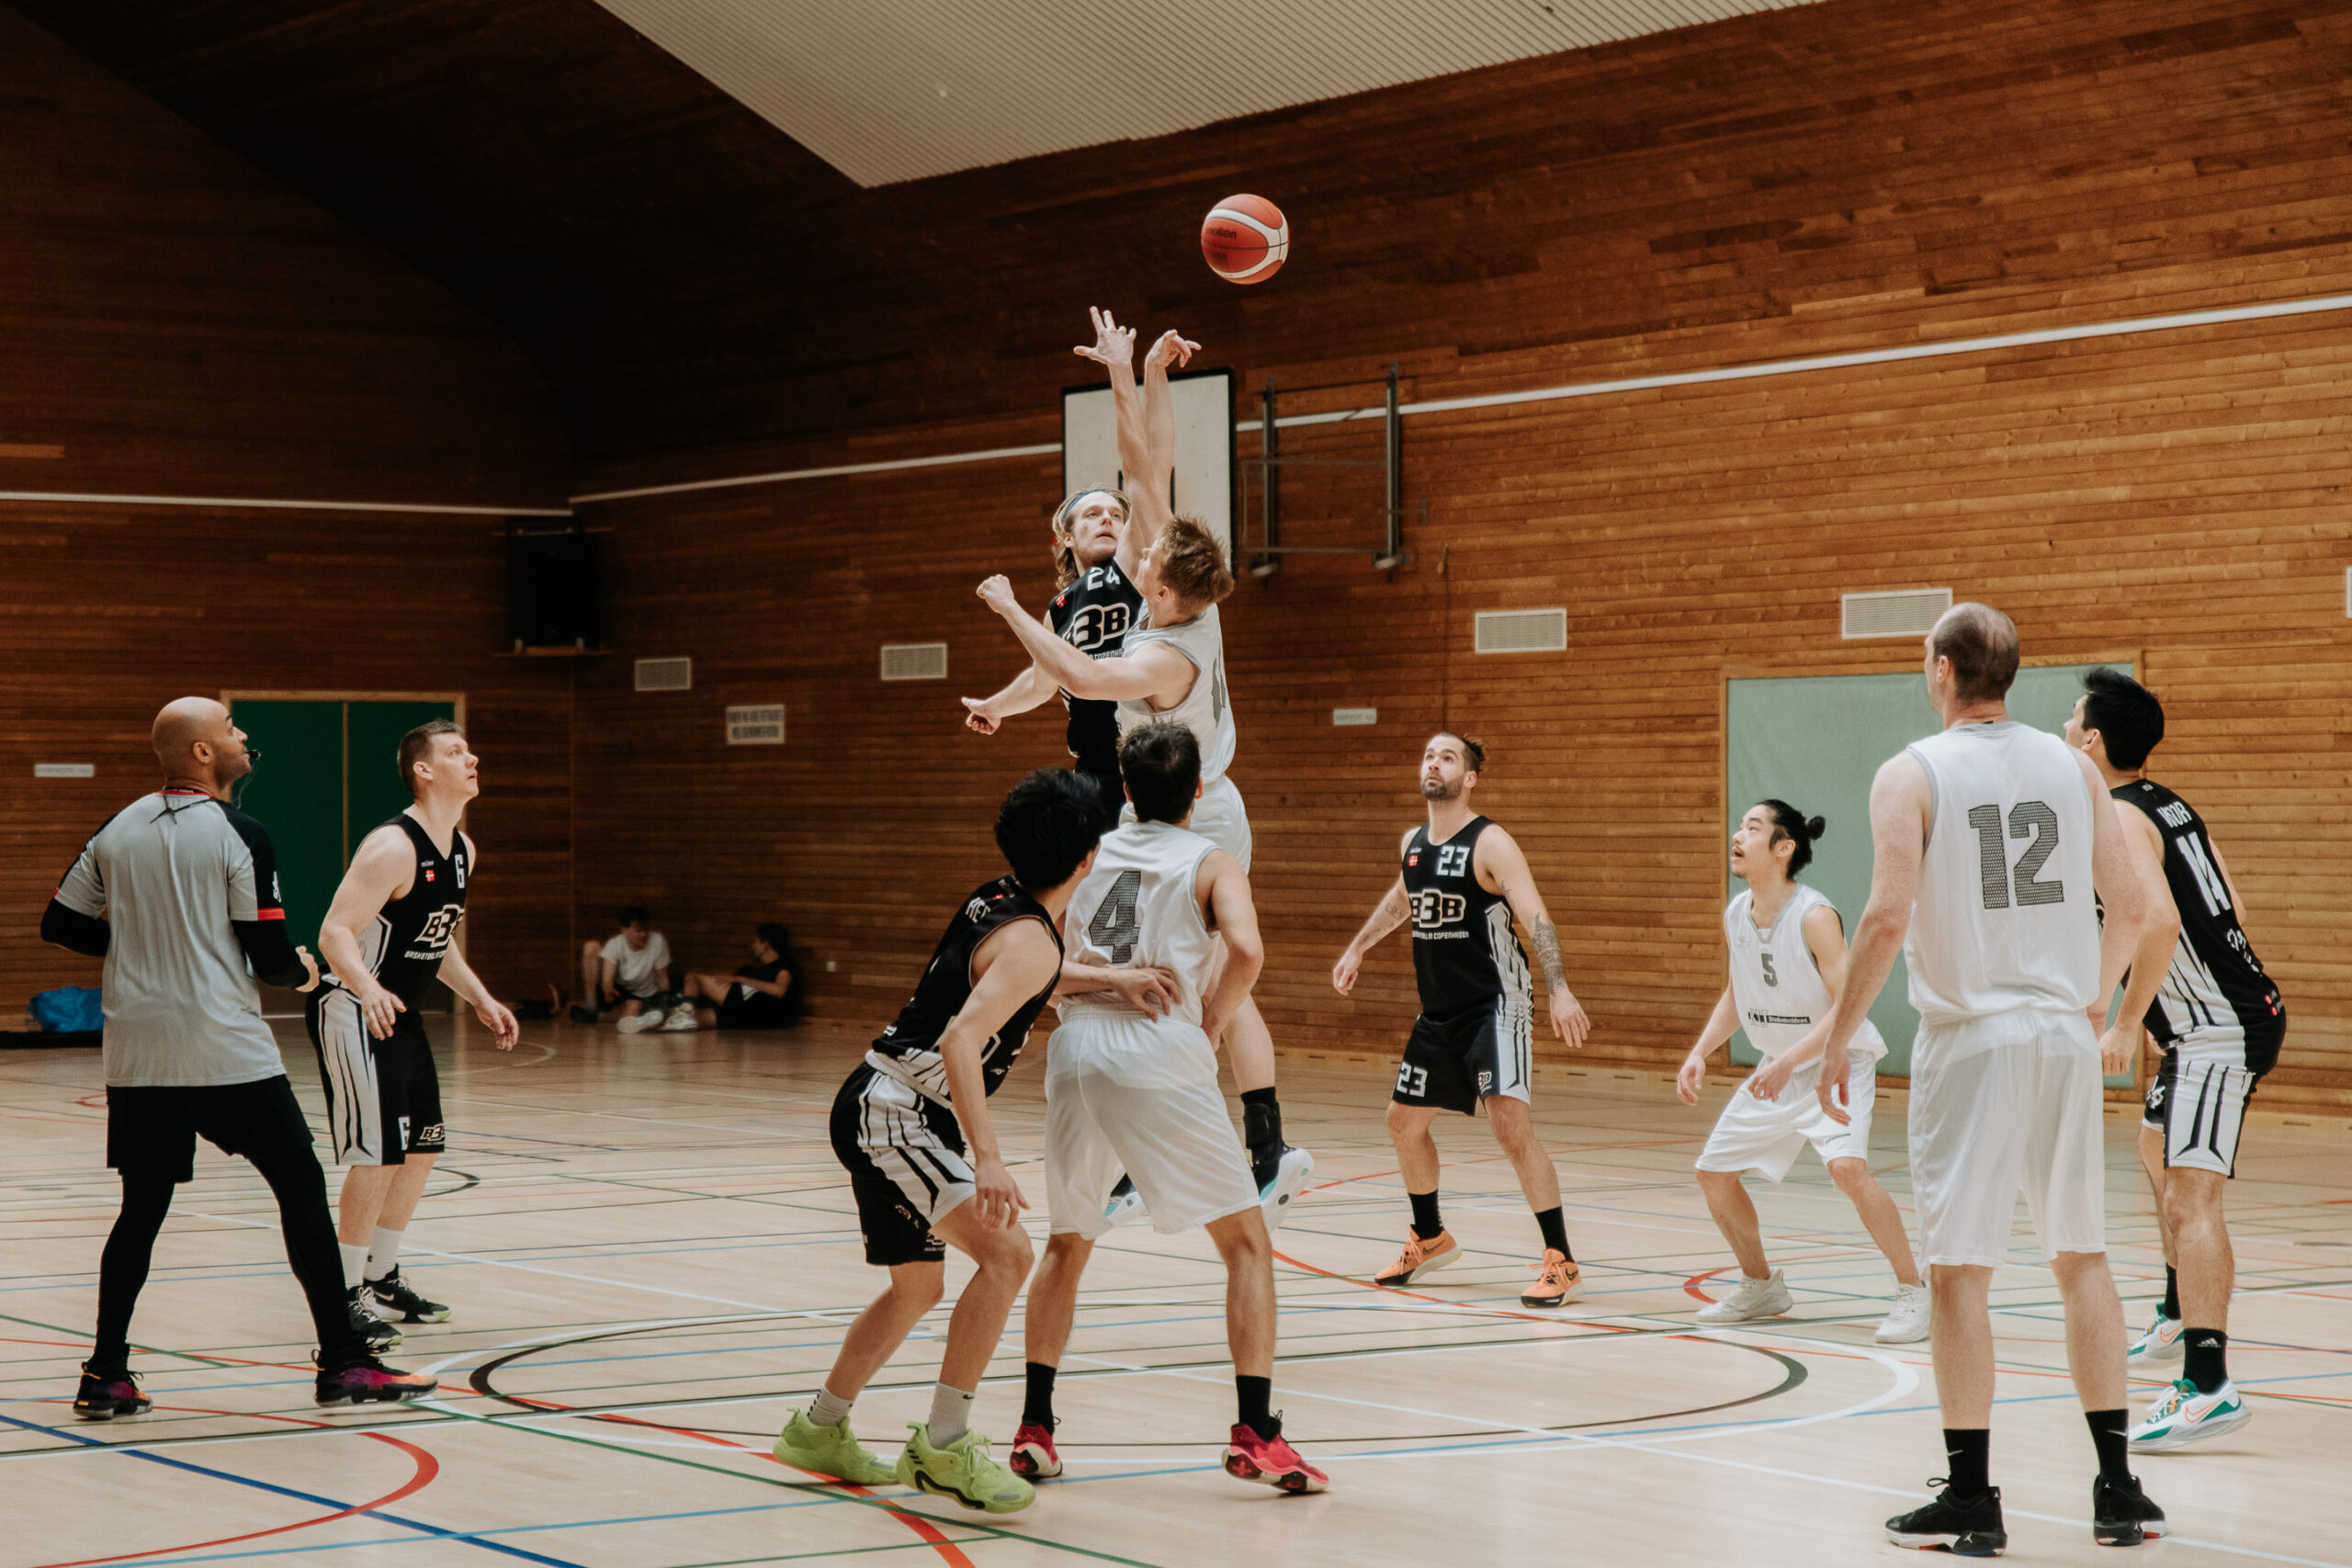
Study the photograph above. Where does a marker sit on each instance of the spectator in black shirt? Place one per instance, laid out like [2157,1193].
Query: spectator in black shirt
[763,994]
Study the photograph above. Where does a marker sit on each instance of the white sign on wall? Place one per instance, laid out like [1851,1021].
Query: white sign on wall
[756,726]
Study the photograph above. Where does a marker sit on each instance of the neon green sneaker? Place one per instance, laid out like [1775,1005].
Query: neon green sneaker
[829,1451]
[962,1470]
[2184,1416]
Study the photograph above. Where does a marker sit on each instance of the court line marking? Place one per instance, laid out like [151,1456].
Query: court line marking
[2128,326]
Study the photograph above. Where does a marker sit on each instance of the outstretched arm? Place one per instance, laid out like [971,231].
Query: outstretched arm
[1031,688]
[1154,671]
[1502,869]
[1386,916]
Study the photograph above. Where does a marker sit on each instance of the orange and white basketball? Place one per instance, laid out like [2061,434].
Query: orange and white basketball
[1245,239]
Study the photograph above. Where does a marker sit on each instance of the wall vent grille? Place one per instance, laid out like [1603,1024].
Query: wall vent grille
[1523,631]
[1906,612]
[665,674]
[914,662]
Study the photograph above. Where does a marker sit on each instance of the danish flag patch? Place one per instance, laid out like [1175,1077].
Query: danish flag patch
[428,874]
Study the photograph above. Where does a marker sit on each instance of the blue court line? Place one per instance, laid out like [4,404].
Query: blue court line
[434,1531]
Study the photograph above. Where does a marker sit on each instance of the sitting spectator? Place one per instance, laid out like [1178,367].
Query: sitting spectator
[625,972]
[763,994]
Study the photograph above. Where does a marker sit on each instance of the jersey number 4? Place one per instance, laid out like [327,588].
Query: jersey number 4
[2027,820]
[1114,928]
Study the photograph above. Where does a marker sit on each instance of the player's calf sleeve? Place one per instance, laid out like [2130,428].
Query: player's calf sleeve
[1261,1118]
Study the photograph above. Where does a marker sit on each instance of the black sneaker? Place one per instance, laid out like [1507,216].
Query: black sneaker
[381,1335]
[369,1381]
[1965,1526]
[392,1294]
[2122,1514]
[106,1394]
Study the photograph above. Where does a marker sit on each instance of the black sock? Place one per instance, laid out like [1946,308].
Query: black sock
[2172,1292]
[122,1266]
[1968,1450]
[2208,1351]
[1426,1225]
[1261,1122]
[1256,1401]
[1037,1406]
[2107,1434]
[1555,1232]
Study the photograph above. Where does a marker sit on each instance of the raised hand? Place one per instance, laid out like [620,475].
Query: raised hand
[997,594]
[1114,345]
[1172,347]
[981,716]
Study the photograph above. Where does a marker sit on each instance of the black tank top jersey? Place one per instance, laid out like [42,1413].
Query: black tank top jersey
[410,936]
[1094,614]
[910,1048]
[2215,980]
[1465,951]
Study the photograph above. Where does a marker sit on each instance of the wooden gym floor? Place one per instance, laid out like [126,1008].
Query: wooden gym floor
[652,1252]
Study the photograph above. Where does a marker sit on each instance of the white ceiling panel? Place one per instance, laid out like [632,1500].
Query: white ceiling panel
[890,90]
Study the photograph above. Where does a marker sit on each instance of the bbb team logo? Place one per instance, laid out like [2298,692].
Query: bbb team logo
[975,909]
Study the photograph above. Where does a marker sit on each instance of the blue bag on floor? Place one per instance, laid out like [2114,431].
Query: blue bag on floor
[69,1010]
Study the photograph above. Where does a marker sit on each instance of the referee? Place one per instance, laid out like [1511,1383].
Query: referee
[178,893]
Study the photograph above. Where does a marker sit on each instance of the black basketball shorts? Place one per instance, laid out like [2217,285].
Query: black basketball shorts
[1455,1060]
[383,1096]
[905,1158]
[152,1131]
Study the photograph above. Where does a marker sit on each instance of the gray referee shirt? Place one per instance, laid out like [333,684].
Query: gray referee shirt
[174,875]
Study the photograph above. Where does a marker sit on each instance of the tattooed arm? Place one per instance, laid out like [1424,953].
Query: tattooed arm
[1502,869]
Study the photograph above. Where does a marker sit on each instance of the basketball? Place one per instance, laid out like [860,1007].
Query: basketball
[1245,239]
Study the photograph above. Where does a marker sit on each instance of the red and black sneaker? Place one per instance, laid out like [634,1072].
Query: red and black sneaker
[369,1381]
[1032,1456]
[106,1394]
[1270,1461]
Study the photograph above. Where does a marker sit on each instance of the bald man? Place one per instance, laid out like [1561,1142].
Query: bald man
[178,894]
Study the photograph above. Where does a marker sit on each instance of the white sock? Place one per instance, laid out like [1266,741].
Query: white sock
[384,1252]
[951,1414]
[828,1409]
[354,1263]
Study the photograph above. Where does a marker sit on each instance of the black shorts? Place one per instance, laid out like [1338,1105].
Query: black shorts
[757,1011]
[152,1131]
[905,1158]
[383,1096]
[1457,1059]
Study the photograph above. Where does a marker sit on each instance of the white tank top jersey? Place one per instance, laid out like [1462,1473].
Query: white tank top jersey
[1204,711]
[1776,984]
[1140,906]
[2005,919]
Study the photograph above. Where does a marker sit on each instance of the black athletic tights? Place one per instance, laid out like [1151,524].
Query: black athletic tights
[294,1175]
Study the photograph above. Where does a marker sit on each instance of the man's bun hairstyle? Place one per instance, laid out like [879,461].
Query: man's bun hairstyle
[1790,823]
[2127,715]
[1050,822]
[1193,563]
[1160,762]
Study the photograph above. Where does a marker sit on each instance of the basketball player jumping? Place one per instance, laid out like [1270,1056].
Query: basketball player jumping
[387,935]
[1989,841]
[1172,667]
[912,1126]
[1788,962]
[1126,1091]
[1461,881]
[2220,1022]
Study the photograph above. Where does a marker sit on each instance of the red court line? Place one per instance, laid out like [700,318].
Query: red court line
[427,1469]
[1691,1284]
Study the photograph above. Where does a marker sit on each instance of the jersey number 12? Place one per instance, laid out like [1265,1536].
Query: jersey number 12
[2027,820]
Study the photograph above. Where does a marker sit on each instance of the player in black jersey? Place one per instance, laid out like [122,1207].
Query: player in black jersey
[2219,1021]
[387,935]
[1462,880]
[912,1127]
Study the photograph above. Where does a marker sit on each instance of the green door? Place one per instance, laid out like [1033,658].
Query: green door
[1816,742]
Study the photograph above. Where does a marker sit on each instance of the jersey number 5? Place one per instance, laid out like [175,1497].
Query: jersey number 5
[1113,929]
[2027,820]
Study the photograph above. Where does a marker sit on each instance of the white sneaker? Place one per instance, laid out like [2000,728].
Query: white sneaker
[1768,1297]
[638,1023]
[1910,1318]
[682,1020]
[1126,1205]
[2184,1416]
[1289,1179]
[2159,1343]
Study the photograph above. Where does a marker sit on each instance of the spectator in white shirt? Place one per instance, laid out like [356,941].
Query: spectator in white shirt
[625,972]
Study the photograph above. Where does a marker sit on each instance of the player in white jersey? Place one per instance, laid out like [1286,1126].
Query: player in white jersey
[1788,962]
[1136,1090]
[1990,840]
[1172,667]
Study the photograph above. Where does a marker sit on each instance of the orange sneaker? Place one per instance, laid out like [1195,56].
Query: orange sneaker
[1419,1257]
[1559,1283]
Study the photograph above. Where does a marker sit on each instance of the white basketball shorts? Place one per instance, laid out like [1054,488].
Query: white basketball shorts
[1128,1093]
[2001,1104]
[2198,1100]
[1766,1135]
[1219,816]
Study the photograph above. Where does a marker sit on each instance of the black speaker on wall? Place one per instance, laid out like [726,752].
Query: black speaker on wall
[553,588]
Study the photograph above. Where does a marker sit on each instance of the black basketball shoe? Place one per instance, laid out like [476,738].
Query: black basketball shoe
[106,1394]
[392,1294]
[2122,1515]
[381,1335]
[1965,1526]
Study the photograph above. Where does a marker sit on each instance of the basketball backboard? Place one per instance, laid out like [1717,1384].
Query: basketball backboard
[1203,446]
